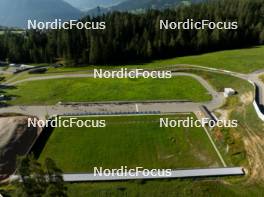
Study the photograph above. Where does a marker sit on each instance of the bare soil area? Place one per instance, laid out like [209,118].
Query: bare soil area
[254,145]
[16,139]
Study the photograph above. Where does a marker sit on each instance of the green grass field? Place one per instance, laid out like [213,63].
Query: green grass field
[89,89]
[130,141]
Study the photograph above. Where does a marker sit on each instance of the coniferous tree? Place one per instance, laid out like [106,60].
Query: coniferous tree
[131,37]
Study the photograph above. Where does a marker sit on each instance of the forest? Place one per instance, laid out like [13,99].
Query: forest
[132,37]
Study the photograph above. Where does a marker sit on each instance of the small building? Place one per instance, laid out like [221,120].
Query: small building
[229,92]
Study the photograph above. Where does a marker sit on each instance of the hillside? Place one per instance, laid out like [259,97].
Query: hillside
[15,13]
[147,4]
[85,5]
[139,5]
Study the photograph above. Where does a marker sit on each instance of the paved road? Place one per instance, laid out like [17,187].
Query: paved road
[164,107]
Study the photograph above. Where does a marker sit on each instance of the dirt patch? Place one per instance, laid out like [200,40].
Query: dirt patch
[252,140]
[223,113]
[16,138]
[254,145]
[247,98]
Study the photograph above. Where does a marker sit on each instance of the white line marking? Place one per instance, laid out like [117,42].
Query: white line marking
[216,149]
[137,107]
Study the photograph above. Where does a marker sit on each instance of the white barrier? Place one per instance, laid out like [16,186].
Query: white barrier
[259,113]
[256,106]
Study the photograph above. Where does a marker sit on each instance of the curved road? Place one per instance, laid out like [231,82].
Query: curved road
[253,78]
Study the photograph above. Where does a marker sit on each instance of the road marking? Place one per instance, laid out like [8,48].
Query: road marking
[137,108]
[216,149]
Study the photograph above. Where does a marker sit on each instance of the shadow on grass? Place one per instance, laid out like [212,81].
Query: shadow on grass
[41,141]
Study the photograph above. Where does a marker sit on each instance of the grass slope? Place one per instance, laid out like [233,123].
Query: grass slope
[89,89]
[239,60]
[130,141]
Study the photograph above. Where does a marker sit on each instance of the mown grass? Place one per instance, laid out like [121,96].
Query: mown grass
[159,188]
[164,188]
[130,141]
[90,89]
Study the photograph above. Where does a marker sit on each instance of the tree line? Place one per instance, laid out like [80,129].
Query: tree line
[36,179]
[137,37]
